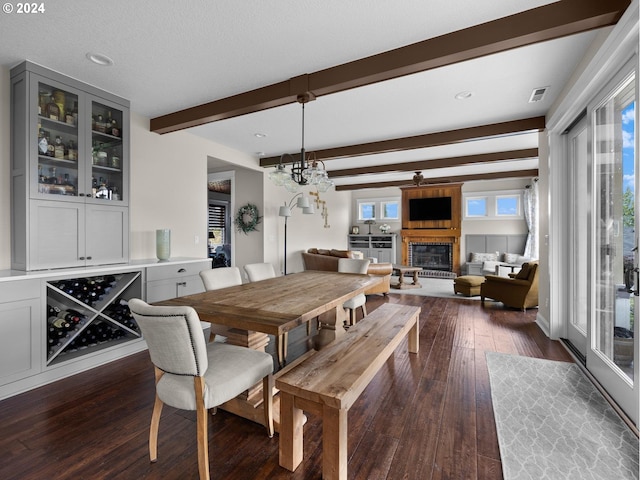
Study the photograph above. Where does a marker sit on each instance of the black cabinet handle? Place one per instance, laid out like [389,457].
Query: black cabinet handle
[182,270]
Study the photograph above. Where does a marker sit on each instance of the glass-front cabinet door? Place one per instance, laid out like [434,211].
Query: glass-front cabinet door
[57,141]
[81,147]
[107,173]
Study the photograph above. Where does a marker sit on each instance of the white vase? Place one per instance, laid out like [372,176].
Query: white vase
[163,243]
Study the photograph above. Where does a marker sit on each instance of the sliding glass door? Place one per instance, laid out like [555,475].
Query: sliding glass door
[613,304]
[577,145]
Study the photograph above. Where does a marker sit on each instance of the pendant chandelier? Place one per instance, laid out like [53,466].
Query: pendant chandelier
[306,170]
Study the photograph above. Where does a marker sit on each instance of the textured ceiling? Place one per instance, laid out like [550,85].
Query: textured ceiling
[172,55]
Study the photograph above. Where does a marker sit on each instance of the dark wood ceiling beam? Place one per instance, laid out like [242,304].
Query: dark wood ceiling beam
[438,163]
[559,19]
[449,137]
[439,180]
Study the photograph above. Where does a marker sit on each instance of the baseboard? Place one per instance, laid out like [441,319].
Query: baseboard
[543,323]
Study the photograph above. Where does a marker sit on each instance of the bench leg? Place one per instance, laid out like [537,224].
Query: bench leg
[291,433]
[414,337]
[334,444]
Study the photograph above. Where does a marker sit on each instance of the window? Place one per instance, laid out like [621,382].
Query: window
[379,209]
[217,225]
[390,210]
[508,206]
[366,211]
[493,205]
[476,207]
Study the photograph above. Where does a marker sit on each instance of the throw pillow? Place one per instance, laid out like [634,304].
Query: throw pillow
[312,250]
[512,257]
[484,257]
[341,253]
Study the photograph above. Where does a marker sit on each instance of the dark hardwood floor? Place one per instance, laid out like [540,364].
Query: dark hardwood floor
[425,416]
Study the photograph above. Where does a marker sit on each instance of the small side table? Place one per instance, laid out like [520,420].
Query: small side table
[400,270]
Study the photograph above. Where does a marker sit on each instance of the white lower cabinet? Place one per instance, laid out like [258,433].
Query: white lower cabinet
[57,323]
[21,330]
[176,280]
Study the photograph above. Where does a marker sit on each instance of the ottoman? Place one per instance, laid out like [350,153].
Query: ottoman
[468,285]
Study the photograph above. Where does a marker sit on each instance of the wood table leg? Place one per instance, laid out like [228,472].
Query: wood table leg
[331,327]
[291,433]
[334,443]
[416,282]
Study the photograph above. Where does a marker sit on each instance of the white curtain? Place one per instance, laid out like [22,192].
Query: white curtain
[531,217]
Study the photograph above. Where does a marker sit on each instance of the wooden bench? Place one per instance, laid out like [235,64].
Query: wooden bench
[328,383]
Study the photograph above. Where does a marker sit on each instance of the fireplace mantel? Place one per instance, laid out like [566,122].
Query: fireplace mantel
[438,231]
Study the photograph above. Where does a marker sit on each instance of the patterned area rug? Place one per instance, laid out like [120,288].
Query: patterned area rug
[554,424]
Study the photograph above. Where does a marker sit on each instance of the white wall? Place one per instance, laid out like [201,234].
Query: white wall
[169,188]
[303,231]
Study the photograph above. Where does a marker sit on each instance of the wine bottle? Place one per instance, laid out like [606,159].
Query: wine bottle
[58,322]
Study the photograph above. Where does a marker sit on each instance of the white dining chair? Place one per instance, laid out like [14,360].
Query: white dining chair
[259,271]
[194,375]
[263,271]
[353,265]
[216,278]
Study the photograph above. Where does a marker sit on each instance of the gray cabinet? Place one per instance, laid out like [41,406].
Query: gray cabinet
[174,280]
[69,172]
[21,328]
[382,247]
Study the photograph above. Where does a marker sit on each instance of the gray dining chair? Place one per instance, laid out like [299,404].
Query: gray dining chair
[354,265]
[263,271]
[194,375]
[216,278]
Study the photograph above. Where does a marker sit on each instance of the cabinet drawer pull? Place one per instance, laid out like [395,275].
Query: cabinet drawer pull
[182,284]
[81,258]
[89,258]
[182,270]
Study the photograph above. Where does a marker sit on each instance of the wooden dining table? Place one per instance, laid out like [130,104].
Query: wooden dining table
[252,311]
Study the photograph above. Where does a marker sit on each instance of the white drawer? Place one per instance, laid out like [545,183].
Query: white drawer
[176,270]
[19,290]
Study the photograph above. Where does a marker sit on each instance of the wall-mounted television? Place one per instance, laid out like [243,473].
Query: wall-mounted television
[430,208]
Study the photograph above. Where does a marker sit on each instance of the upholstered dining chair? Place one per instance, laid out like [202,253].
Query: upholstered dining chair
[263,271]
[353,265]
[215,278]
[259,271]
[194,375]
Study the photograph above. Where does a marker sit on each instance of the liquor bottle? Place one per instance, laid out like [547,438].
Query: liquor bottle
[60,99]
[74,113]
[115,129]
[58,149]
[72,151]
[100,125]
[43,142]
[52,110]
[94,186]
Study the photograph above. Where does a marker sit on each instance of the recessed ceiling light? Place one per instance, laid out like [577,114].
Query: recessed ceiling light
[260,154]
[100,59]
[463,95]
[259,135]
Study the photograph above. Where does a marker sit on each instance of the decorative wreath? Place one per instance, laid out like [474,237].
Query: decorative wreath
[247,218]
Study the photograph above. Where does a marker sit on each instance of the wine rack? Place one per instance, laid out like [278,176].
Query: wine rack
[85,315]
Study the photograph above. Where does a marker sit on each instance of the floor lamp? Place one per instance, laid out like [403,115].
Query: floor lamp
[285,211]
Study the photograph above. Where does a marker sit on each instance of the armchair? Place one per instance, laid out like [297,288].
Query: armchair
[518,291]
